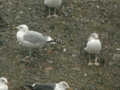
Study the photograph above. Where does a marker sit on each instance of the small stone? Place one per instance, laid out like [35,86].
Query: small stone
[76,68]
[85,74]
[64,50]
[115,60]
[74,55]
[118,49]
[91,87]
[50,61]
[97,6]
[21,12]
[116,57]
[66,14]
[29,8]
[48,68]
[50,51]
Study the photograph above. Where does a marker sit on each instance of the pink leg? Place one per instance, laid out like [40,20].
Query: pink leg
[96,61]
[49,13]
[55,15]
[90,63]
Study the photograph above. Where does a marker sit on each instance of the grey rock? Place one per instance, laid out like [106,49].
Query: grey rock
[115,60]
[116,57]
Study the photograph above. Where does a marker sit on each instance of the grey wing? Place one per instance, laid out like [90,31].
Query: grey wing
[34,37]
[44,87]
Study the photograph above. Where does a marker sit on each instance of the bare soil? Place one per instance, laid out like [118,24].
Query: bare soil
[67,61]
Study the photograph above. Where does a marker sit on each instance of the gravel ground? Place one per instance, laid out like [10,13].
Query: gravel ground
[64,61]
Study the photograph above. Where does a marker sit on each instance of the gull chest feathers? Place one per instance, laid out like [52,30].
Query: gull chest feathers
[3,87]
[93,46]
[19,36]
[53,3]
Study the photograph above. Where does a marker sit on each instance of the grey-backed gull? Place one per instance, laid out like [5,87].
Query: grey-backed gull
[53,4]
[3,83]
[57,86]
[31,39]
[93,47]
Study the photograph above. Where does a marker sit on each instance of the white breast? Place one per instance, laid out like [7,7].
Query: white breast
[19,36]
[58,87]
[53,3]
[20,39]
[93,46]
[3,87]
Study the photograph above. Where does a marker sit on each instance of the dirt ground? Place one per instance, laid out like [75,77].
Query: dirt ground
[67,61]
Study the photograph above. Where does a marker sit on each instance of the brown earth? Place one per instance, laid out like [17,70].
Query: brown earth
[77,19]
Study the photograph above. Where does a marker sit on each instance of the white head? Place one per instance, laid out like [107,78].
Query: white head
[23,27]
[3,80]
[64,85]
[94,36]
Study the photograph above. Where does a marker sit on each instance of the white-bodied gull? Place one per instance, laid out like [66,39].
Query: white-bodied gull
[31,39]
[3,83]
[53,4]
[93,47]
[57,86]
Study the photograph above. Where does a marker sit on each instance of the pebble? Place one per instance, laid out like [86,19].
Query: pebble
[74,55]
[64,49]
[50,61]
[115,60]
[118,49]
[85,74]
[97,6]
[116,57]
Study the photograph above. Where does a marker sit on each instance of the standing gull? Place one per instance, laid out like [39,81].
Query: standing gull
[57,86]
[53,4]
[3,83]
[93,47]
[31,39]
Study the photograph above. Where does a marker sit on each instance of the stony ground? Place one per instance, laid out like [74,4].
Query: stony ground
[67,61]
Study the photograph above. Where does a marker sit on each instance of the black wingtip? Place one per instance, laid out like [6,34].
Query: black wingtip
[26,87]
[29,86]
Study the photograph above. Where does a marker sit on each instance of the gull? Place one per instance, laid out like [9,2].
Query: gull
[56,86]
[93,47]
[31,39]
[3,83]
[53,4]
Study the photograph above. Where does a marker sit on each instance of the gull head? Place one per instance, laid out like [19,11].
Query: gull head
[4,80]
[94,36]
[23,27]
[64,85]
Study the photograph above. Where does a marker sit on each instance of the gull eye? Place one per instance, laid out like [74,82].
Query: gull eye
[20,27]
[2,80]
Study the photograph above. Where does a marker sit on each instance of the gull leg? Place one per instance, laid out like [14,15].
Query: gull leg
[96,61]
[90,63]
[55,15]
[49,13]
[30,52]
[41,3]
